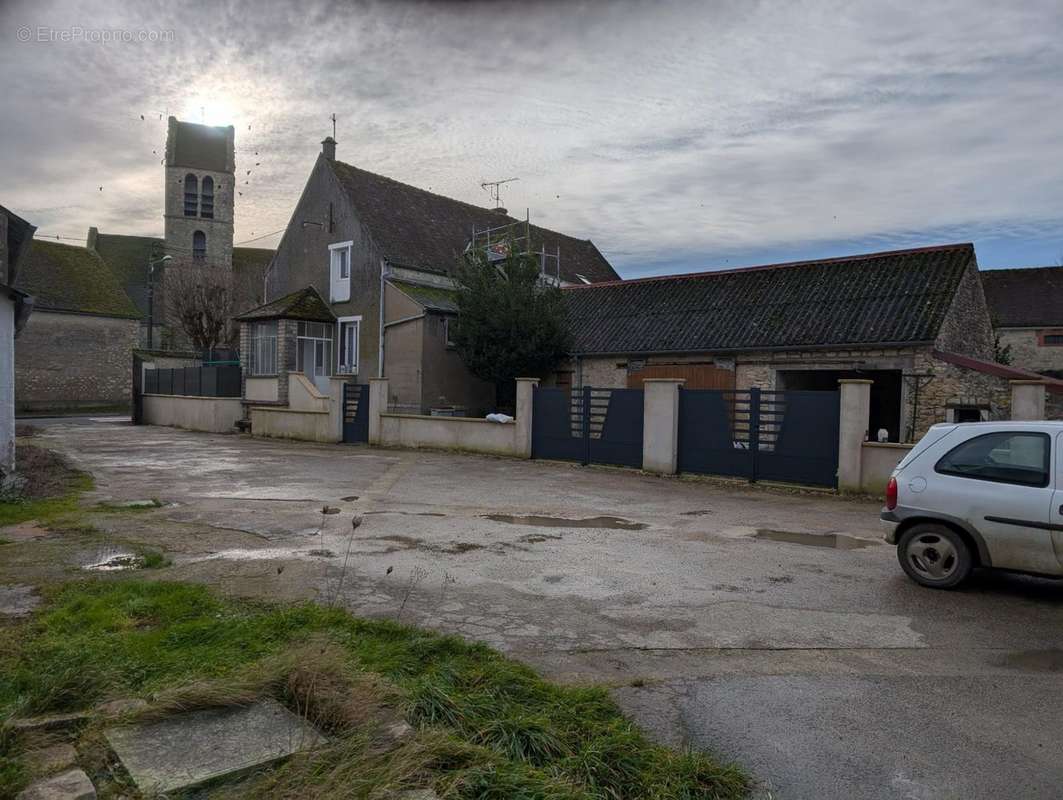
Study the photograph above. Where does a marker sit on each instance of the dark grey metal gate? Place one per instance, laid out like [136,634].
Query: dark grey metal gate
[789,436]
[355,412]
[588,425]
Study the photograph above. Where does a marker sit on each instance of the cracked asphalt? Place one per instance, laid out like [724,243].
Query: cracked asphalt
[769,626]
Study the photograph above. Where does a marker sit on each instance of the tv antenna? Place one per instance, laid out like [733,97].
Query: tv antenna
[493,188]
[333,125]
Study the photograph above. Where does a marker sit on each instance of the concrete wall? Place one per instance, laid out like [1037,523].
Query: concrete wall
[212,414]
[286,423]
[7,383]
[261,389]
[309,415]
[452,433]
[69,361]
[1028,352]
[877,461]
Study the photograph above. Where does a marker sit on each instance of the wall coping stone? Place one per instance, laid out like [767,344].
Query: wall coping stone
[445,419]
[890,445]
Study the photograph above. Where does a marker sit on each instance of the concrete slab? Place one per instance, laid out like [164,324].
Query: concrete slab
[18,600]
[70,785]
[190,749]
[47,760]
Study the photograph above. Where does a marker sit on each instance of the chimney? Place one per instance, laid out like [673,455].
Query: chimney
[90,240]
[328,148]
[500,210]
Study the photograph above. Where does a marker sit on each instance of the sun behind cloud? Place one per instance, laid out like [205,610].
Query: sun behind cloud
[214,108]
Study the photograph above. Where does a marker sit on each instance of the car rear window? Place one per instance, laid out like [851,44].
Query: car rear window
[932,436]
[1021,458]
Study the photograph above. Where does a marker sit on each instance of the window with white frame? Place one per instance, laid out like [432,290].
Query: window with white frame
[263,355]
[448,330]
[347,353]
[340,271]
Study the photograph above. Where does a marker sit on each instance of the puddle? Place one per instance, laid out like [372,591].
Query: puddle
[536,538]
[836,541]
[701,512]
[410,513]
[349,498]
[116,562]
[1035,660]
[330,510]
[610,523]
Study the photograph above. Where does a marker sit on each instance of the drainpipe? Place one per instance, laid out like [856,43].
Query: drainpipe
[380,326]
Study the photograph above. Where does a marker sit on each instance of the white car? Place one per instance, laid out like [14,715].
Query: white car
[982,494]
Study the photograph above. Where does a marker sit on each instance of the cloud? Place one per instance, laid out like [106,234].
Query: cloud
[677,134]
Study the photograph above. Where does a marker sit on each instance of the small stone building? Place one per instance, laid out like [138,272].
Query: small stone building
[76,349]
[913,321]
[1026,306]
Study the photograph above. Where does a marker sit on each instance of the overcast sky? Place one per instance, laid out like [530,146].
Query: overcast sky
[677,136]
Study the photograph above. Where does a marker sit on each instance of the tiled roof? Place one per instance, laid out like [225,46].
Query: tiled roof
[128,258]
[250,262]
[416,228]
[66,278]
[305,304]
[880,298]
[1025,297]
[200,146]
[432,298]
[19,236]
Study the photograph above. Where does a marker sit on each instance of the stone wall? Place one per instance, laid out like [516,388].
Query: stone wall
[954,386]
[69,361]
[967,328]
[1027,352]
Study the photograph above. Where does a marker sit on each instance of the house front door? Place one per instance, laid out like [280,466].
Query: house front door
[315,361]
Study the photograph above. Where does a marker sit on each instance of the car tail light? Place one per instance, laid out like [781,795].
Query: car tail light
[891,494]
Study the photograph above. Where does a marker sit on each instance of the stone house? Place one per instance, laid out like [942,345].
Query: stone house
[1026,306]
[379,254]
[75,350]
[15,307]
[913,321]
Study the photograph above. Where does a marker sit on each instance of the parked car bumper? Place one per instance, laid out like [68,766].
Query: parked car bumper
[889,522]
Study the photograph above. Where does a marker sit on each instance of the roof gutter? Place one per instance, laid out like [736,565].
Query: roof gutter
[773,349]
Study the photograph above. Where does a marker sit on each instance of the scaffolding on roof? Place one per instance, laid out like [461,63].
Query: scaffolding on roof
[514,237]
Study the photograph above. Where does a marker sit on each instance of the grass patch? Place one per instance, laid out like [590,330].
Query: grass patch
[51,489]
[153,559]
[486,727]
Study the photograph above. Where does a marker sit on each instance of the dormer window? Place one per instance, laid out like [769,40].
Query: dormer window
[206,198]
[191,195]
[340,272]
[199,245]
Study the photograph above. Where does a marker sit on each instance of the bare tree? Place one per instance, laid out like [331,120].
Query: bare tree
[200,301]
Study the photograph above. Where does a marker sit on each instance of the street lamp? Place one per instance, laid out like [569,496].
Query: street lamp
[151,296]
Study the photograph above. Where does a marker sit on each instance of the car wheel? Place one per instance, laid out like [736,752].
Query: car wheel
[935,556]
